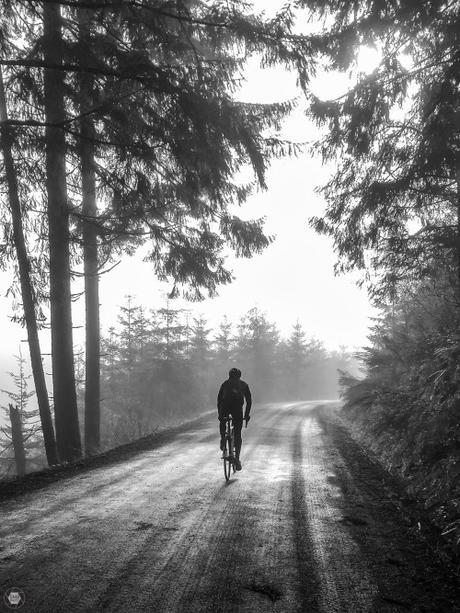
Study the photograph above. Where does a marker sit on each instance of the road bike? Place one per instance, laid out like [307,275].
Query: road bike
[228,454]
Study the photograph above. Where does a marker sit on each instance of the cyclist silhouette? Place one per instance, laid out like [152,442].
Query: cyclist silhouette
[230,399]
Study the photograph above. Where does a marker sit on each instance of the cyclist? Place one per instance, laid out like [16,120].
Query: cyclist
[230,399]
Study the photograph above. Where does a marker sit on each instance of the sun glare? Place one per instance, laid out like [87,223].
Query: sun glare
[368,59]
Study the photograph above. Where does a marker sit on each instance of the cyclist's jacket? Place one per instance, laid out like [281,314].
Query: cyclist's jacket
[232,394]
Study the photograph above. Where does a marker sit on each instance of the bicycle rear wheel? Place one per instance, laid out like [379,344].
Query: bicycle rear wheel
[228,456]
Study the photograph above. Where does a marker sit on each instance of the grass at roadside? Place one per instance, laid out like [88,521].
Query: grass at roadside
[421,520]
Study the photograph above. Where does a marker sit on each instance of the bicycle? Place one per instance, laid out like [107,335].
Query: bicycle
[229,448]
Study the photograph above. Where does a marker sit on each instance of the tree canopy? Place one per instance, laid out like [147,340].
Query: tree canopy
[134,105]
[393,203]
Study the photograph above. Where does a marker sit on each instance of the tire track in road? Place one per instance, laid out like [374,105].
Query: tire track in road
[158,585]
[240,572]
[272,583]
[138,581]
[225,540]
[194,550]
[104,542]
[180,540]
[62,502]
[301,512]
[186,551]
[254,568]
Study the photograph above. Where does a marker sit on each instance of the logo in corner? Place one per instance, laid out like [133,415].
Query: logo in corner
[14,598]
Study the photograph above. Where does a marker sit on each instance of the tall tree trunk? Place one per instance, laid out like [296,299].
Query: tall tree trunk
[18,440]
[90,255]
[65,397]
[27,292]
[457,177]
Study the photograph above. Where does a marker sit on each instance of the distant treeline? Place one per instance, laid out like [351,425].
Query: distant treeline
[161,366]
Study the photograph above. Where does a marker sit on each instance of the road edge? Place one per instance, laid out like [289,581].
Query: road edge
[419,521]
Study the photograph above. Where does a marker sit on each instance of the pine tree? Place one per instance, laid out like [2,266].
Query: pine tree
[296,360]
[64,391]
[25,278]
[224,348]
[200,362]
[111,379]
[89,234]
[394,136]
[199,343]
[130,344]
[257,346]
[24,422]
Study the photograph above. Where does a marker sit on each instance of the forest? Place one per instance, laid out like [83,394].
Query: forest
[119,128]
[160,367]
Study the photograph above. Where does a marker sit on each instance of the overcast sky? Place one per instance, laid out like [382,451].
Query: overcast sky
[293,279]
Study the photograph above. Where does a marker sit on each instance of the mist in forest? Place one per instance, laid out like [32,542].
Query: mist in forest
[161,366]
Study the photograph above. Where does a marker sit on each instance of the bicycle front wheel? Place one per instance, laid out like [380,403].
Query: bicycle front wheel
[228,456]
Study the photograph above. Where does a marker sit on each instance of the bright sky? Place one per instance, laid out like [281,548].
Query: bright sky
[293,279]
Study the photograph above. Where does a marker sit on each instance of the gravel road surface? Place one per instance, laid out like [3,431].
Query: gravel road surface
[306,526]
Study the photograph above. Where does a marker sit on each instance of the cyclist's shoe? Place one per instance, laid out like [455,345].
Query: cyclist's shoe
[222,444]
[237,465]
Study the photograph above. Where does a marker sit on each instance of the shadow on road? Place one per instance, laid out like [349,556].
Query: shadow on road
[226,484]
[309,579]
[407,576]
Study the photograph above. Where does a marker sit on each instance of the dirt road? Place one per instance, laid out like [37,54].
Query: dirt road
[303,527]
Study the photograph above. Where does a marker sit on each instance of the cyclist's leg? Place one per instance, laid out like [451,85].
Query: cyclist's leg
[238,424]
[222,416]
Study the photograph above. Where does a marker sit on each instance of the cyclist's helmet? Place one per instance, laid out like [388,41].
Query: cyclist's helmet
[234,373]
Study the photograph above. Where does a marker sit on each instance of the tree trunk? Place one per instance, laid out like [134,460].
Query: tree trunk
[90,257]
[65,397]
[457,177]
[18,441]
[27,292]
